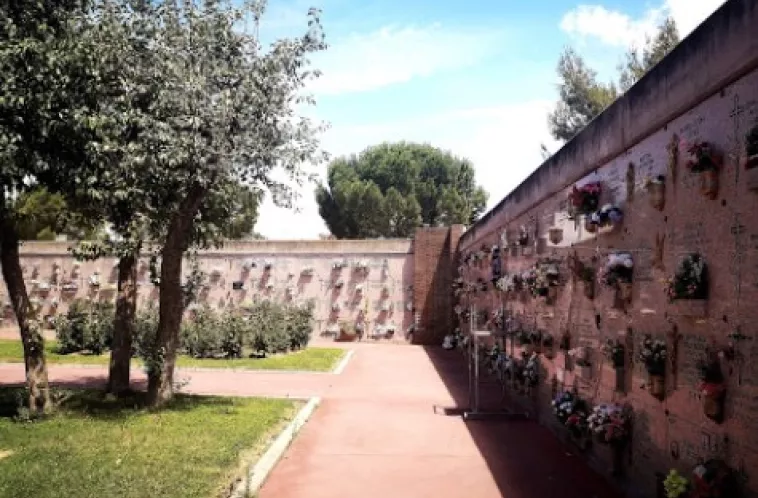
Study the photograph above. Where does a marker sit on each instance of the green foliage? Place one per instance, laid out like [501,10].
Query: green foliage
[201,336]
[638,63]
[41,215]
[582,97]
[390,189]
[145,331]
[87,327]
[675,484]
[263,328]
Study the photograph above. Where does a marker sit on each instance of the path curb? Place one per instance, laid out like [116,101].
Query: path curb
[260,471]
[343,362]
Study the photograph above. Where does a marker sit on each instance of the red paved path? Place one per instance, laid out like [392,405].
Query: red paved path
[376,433]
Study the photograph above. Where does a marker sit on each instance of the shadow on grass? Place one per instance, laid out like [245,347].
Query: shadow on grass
[525,459]
[75,398]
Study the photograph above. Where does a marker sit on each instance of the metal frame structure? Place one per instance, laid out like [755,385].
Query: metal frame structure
[475,412]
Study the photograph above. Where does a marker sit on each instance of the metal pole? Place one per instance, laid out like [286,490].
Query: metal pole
[472,312]
[476,375]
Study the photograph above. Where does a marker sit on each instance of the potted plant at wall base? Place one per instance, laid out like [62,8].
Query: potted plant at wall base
[653,355]
[617,274]
[675,485]
[609,424]
[687,290]
[705,162]
[571,412]
[348,332]
[712,388]
[713,479]
[656,189]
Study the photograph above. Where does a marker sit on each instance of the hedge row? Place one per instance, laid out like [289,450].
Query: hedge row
[259,329]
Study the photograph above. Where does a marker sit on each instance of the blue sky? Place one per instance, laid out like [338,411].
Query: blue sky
[476,78]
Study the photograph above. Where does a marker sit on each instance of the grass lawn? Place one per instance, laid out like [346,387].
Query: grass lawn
[309,359]
[95,447]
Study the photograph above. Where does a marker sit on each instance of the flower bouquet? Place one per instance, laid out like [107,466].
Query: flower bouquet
[564,405]
[713,389]
[689,285]
[706,162]
[653,354]
[609,424]
[607,216]
[547,278]
[584,199]
[617,274]
[615,352]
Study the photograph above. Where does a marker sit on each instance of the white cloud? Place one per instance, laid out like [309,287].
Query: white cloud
[609,26]
[503,142]
[391,55]
[617,28]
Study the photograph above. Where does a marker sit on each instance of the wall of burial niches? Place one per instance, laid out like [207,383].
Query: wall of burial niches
[299,271]
[672,432]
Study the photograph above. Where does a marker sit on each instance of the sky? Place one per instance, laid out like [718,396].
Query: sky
[476,78]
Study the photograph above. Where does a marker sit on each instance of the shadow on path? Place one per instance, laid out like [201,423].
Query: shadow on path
[525,459]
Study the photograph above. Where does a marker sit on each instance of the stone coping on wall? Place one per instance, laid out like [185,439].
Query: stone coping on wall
[717,53]
[375,247]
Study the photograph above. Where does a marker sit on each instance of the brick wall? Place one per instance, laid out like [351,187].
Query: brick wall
[706,90]
[300,271]
[433,257]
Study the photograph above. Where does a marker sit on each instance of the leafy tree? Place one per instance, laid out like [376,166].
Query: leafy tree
[638,63]
[48,108]
[390,189]
[221,115]
[582,97]
[42,215]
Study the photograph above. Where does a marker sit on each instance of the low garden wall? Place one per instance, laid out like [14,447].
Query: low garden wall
[583,278]
[347,281]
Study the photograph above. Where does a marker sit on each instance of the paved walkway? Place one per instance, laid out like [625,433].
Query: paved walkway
[377,433]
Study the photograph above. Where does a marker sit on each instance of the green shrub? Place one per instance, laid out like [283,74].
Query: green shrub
[87,327]
[145,331]
[201,336]
[299,325]
[263,328]
[234,331]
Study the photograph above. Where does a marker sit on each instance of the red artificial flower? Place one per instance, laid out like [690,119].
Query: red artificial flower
[712,389]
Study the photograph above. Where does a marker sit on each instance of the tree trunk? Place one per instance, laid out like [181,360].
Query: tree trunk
[123,325]
[28,323]
[171,301]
